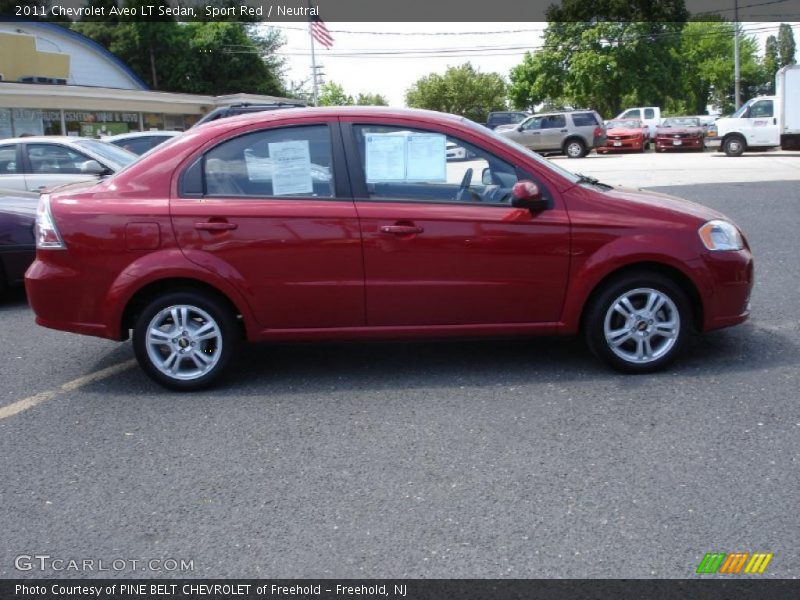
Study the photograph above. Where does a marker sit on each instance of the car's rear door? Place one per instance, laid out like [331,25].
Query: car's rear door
[444,246]
[270,210]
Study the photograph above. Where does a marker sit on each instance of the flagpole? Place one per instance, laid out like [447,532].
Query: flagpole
[313,63]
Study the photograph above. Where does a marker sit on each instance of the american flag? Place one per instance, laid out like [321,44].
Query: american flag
[320,32]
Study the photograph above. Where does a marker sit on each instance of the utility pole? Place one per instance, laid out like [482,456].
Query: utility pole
[313,63]
[737,83]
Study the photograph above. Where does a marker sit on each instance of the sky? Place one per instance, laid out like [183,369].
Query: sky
[387,58]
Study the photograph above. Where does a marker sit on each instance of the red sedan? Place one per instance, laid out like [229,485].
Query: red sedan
[680,133]
[625,135]
[311,224]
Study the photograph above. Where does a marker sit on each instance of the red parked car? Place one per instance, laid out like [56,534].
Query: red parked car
[625,135]
[311,224]
[680,133]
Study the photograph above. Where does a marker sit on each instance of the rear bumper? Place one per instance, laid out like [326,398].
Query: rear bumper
[57,295]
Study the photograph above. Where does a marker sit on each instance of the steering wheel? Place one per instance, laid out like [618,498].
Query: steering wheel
[464,193]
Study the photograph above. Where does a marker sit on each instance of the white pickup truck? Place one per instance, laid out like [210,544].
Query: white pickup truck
[648,115]
[763,122]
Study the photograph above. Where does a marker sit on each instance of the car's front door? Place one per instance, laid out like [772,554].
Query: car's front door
[12,176]
[268,211]
[442,243]
[529,133]
[50,165]
[762,124]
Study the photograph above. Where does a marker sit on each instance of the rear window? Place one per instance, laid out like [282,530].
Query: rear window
[584,119]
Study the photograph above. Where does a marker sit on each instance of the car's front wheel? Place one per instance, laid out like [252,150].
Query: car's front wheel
[185,340]
[734,145]
[638,323]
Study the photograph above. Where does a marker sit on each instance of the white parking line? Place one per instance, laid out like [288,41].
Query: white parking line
[21,405]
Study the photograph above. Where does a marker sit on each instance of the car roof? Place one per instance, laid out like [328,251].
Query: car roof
[39,138]
[137,134]
[333,111]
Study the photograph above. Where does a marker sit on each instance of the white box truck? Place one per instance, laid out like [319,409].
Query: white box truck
[763,122]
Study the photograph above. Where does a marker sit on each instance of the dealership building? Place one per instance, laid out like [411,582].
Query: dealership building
[54,81]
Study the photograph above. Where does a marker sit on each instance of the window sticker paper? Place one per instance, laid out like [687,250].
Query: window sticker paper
[291,164]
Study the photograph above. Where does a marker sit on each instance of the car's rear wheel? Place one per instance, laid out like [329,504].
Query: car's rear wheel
[638,323]
[575,148]
[185,340]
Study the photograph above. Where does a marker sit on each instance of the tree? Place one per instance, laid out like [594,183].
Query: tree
[371,100]
[212,57]
[771,60]
[604,55]
[462,90]
[786,45]
[707,69]
[332,94]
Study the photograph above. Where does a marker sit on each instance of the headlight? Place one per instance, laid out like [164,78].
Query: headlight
[720,235]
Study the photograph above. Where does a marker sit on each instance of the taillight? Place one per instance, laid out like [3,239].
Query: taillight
[598,132]
[47,236]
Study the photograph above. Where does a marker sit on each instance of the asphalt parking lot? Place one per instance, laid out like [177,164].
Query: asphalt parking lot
[521,458]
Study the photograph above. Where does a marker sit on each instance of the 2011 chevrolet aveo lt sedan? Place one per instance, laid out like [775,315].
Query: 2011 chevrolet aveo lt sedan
[312,224]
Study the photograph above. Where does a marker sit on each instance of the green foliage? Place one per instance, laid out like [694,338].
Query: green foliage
[771,62]
[215,57]
[332,94]
[707,67]
[462,90]
[371,100]
[786,45]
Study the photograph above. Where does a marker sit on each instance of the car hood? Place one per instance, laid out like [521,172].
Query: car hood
[677,130]
[624,131]
[672,207]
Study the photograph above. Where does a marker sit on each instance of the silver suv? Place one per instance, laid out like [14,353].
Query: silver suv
[573,133]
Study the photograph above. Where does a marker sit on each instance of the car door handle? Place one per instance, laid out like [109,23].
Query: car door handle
[564,130]
[401,229]
[775,120]
[215,226]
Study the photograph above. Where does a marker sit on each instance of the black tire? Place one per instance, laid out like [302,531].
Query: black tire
[638,326]
[219,350]
[575,148]
[734,145]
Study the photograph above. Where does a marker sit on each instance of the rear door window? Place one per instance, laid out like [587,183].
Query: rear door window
[633,113]
[554,122]
[283,162]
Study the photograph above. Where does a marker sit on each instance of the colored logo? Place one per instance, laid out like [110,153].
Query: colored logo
[734,563]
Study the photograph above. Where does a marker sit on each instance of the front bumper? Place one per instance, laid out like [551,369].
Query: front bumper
[730,283]
[629,144]
[713,142]
[682,143]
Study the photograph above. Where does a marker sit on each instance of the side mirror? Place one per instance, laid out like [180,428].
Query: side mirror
[486,176]
[526,194]
[92,167]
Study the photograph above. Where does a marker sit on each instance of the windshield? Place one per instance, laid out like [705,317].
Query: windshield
[742,109]
[629,123]
[682,122]
[118,157]
[512,144]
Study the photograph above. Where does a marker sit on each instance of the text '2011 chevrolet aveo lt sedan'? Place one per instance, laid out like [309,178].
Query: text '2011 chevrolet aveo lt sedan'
[348,223]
